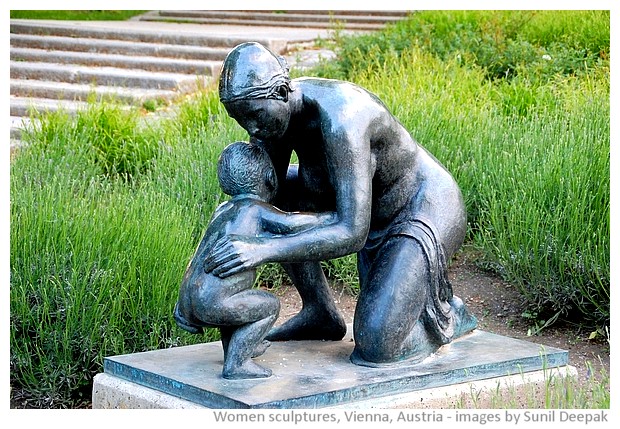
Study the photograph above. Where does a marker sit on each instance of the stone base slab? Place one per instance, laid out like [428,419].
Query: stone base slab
[111,392]
[319,374]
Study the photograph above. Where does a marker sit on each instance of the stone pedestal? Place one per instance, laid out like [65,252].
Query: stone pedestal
[318,374]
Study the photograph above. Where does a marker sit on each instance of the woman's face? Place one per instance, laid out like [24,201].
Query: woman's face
[264,119]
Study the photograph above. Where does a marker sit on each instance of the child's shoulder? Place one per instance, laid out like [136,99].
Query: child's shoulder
[236,207]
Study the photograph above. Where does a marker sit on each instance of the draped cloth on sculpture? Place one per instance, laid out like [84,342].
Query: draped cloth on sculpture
[438,315]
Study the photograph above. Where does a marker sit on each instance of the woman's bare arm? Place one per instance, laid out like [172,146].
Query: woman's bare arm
[276,221]
[350,170]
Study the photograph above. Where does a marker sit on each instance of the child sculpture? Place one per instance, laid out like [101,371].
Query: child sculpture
[243,315]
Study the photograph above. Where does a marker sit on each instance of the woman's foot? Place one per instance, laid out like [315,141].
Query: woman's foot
[309,324]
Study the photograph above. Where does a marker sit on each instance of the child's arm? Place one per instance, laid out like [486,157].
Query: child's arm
[276,221]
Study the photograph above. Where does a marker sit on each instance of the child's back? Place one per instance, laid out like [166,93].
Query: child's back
[201,293]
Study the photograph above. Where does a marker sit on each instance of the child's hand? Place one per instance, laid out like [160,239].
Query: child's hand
[328,217]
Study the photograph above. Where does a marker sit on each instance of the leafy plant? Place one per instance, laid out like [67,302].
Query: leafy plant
[119,146]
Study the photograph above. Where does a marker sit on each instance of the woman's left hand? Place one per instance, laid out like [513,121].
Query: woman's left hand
[233,254]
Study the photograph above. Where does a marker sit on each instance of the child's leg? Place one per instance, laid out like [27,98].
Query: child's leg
[247,341]
[185,324]
[226,333]
[238,363]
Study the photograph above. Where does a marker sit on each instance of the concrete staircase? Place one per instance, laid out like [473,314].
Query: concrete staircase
[153,58]
[348,19]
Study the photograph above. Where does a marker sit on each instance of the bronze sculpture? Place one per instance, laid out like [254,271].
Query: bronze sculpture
[242,314]
[396,206]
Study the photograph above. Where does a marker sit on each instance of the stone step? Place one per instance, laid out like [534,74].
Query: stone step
[124,32]
[18,123]
[325,19]
[26,106]
[108,76]
[265,23]
[351,13]
[229,21]
[156,64]
[118,47]
[62,64]
[87,92]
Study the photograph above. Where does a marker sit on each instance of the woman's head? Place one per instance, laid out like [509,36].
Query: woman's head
[254,87]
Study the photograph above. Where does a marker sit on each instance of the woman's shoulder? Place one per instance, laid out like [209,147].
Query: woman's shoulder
[338,96]
[318,86]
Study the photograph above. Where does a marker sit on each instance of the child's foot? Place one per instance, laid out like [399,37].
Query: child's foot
[261,348]
[247,370]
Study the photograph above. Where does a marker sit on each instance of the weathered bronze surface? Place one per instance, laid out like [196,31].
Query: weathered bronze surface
[395,206]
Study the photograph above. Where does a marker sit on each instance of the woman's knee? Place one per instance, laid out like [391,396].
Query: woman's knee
[376,344]
[381,333]
[392,301]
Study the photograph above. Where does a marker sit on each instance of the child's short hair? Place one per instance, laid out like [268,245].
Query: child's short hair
[245,168]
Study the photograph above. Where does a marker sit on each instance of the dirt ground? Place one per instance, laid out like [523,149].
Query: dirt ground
[498,308]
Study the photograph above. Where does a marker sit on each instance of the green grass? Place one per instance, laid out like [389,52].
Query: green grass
[76,15]
[96,258]
[105,212]
[554,392]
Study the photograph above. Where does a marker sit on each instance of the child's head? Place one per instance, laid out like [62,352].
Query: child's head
[245,168]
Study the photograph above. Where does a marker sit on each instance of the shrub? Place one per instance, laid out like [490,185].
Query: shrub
[502,43]
[119,146]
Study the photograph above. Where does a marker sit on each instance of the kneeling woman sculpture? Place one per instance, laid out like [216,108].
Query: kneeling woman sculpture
[395,204]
